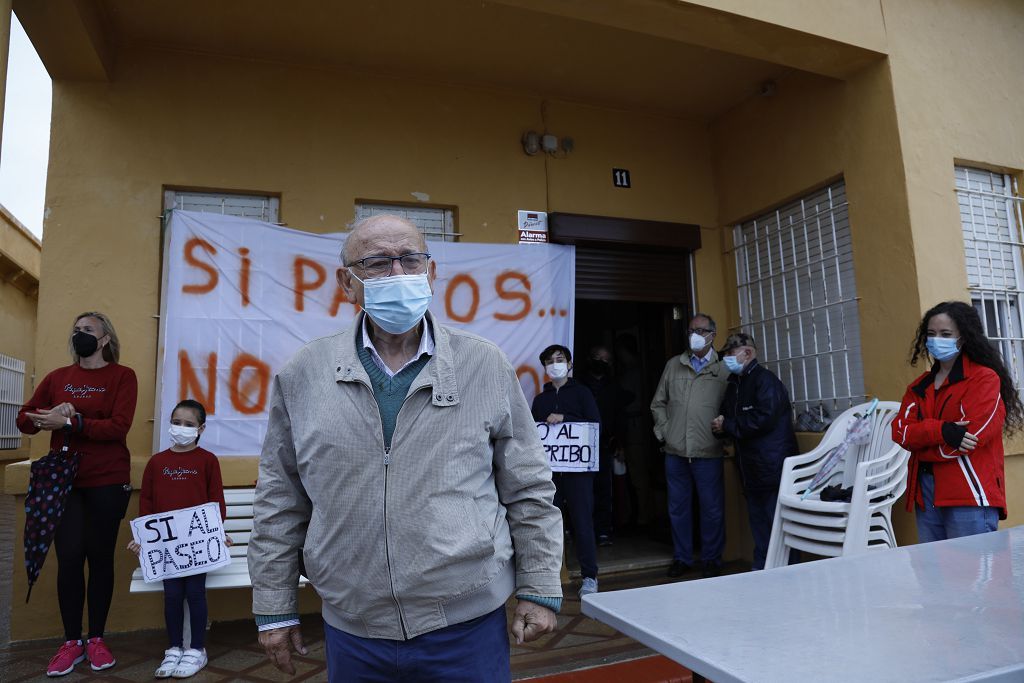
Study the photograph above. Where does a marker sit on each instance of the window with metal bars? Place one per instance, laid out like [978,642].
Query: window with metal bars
[990,217]
[260,207]
[436,223]
[12,396]
[797,297]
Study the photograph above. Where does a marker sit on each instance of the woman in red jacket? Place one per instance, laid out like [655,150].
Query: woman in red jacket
[92,401]
[952,421]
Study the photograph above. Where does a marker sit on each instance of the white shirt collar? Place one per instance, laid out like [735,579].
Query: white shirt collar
[426,347]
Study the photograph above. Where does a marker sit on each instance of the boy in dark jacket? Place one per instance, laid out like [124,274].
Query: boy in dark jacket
[756,415]
[563,400]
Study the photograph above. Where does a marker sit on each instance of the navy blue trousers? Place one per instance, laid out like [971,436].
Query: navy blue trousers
[576,491]
[473,651]
[761,511]
[176,592]
[707,477]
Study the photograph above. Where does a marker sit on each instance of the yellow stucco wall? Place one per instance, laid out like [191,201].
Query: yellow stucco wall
[321,139]
[951,90]
[19,249]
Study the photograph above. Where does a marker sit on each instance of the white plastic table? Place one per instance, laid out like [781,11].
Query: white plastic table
[946,611]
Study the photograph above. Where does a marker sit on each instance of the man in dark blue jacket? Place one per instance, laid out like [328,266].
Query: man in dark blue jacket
[756,415]
[563,400]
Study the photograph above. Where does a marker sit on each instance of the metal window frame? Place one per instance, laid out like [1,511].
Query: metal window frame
[271,203]
[448,233]
[999,300]
[782,276]
[12,397]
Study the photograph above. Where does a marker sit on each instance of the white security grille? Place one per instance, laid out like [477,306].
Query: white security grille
[434,223]
[12,396]
[990,216]
[261,207]
[794,270]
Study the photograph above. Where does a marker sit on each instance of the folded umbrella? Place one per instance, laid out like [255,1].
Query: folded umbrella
[50,482]
[858,432]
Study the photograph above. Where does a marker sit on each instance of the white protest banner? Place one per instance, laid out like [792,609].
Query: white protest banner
[571,446]
[240,297]
[181,542]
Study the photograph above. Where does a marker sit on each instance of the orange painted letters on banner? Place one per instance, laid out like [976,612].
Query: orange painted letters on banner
[257,381]
[506,295]
[474,288]
[211,272]
[302,285]
[188,381]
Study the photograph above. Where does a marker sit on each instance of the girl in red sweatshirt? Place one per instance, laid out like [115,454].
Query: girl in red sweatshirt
[183,476]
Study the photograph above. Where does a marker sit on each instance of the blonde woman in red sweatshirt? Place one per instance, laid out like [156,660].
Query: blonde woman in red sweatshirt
[183,476]
[92,401]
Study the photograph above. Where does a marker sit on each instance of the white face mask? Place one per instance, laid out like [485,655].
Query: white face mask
[697,342]
[396,303]
[558,370]
[183,436]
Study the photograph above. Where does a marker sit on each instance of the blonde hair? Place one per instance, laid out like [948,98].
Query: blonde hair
[112,350]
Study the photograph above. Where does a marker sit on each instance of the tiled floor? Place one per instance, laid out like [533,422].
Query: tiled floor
[579,643]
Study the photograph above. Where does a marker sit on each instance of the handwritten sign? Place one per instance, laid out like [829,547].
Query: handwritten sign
[571,446]
[181,542]
[240,297]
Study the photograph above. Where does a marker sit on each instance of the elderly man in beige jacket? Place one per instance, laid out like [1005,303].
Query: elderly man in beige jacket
[687,400]
[402,459]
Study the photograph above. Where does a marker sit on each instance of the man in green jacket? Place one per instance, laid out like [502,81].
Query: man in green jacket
[687,400]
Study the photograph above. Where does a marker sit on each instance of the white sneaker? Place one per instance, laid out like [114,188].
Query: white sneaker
[191,662]
[172,656]
[589,586]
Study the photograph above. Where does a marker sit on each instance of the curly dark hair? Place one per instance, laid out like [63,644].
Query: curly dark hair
[976,346]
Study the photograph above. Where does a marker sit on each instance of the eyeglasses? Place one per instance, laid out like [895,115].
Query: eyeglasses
[382,266]
[701,331]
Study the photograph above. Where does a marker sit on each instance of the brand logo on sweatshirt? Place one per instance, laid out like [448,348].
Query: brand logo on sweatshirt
[84,391]
[179,473]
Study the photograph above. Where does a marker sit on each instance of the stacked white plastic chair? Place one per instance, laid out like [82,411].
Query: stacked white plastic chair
[877,471]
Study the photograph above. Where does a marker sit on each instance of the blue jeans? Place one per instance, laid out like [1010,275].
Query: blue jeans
[176,592]
[682,475]
[475,650]
[939,523]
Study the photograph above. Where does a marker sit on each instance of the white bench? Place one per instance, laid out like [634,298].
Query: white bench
[237,525]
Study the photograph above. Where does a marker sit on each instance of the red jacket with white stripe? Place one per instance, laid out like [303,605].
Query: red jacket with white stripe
[926,427]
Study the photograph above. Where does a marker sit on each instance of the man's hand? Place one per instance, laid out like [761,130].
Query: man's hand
[716,424]
[555,418]
[531,621]
[278,643]
[135,547]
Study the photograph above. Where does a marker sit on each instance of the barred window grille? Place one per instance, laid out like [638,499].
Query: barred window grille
[260,207]
[990,216]
[12,396]
[435,223]
[797,297]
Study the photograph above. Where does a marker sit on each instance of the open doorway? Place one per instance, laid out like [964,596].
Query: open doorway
[634,294]
[641,336]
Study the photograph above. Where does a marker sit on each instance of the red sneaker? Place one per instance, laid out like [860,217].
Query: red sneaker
[99,654]
[63,663]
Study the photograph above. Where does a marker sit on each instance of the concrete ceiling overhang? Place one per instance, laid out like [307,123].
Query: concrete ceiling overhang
[667,57]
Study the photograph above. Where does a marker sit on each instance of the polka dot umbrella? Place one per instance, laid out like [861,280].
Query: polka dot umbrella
[48,488]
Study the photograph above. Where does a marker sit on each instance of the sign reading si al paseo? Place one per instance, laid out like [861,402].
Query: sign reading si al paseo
[181,542]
